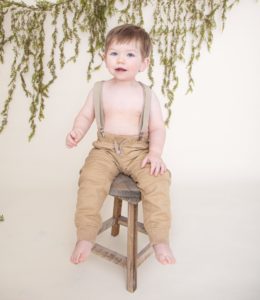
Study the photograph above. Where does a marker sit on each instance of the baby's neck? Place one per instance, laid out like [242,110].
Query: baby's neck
[123,83]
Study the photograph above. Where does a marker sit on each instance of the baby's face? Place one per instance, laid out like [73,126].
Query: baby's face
[124,60]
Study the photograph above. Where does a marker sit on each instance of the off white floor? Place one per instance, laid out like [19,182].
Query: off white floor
[215,238]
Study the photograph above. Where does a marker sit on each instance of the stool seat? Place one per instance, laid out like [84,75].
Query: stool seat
[124,188]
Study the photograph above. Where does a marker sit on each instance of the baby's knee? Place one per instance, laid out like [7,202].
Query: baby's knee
[160,182]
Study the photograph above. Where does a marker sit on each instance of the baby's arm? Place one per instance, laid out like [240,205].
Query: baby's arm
[156,138]
[82,122]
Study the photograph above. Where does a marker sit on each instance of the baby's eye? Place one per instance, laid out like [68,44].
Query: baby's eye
[113,53]
[130,55]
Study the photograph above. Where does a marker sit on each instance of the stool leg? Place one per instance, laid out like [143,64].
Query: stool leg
[116,214]
[132,247]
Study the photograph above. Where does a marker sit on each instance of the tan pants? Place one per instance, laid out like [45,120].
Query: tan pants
[111,155]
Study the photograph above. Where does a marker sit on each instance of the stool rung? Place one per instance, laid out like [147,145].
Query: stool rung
[119,259]
[140,226]
[144,253]
[109,255]
[108,223]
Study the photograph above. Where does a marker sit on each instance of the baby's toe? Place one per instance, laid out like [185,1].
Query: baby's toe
[82,258]
[75,257]
[72,259]
[162,259]
[169,260]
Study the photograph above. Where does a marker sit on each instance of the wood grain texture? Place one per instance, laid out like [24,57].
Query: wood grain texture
[140,226]
[144,253]
[132,248]
[124,187]
[116,215]
[109,255]
[107,224]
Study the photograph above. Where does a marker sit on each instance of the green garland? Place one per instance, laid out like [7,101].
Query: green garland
[179,26]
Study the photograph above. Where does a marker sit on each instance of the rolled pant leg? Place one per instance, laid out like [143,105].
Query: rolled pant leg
[95,179]
[156,201]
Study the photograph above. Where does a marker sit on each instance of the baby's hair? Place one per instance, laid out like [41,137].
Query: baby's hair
[127,33]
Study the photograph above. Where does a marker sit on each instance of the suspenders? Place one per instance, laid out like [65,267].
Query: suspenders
[144,120]
[99,112]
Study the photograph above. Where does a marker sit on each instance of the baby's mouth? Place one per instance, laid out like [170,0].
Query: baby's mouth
[120,69]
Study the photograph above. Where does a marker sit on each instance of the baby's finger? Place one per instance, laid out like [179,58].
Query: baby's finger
[157,169]
[71,143]
[73,135]
[152,168]
[70,139]
[67,142]
[163,169]
[144,162]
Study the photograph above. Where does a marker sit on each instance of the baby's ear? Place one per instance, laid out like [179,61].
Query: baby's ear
[102,55]
[145,64]
[147,61]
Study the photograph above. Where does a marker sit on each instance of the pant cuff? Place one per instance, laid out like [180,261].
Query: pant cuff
[87,234]
[158,236]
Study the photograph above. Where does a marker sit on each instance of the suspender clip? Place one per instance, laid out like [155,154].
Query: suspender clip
[141,134]
[101,130]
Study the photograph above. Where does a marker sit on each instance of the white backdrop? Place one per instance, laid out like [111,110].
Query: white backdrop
[212,146]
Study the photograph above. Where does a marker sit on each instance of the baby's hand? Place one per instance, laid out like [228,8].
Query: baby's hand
[73,138]
[157,164]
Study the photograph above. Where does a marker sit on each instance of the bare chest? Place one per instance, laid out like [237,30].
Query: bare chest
[123,106]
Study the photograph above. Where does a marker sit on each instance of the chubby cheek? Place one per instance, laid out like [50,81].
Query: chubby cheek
[132,65]
[108,61]
[109,65]
[134,68]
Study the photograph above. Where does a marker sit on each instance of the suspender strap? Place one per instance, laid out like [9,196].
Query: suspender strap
[99,113]
[144,120]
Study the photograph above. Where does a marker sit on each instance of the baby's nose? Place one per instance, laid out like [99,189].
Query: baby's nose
[120,58]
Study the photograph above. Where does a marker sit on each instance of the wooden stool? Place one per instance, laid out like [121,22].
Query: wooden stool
[124,188]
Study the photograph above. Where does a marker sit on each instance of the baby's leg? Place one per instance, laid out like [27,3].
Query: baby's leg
[94,184]
[156,208]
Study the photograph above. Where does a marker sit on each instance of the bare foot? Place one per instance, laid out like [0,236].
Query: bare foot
[164,254]
[81,251]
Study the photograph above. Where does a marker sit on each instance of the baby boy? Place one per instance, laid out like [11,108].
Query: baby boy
[131,136]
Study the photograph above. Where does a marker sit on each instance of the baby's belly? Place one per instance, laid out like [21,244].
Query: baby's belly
[122,125]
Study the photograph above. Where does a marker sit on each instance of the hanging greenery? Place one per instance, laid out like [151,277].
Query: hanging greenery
[180,28]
